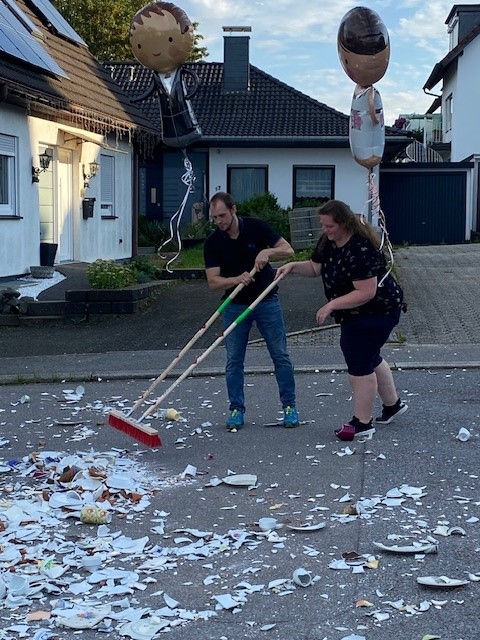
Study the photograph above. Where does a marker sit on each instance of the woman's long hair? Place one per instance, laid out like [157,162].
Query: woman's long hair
[342,214]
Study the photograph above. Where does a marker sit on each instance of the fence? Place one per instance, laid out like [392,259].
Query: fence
[304,227]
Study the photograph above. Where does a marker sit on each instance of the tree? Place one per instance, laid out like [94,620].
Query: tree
[105,24]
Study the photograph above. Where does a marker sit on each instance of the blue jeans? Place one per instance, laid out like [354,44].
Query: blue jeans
[269,319]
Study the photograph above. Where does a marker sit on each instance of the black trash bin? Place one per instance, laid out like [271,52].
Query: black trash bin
[48,251]
[87,207]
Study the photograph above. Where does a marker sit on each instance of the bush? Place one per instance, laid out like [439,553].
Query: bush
[151,233]
[266,207]
[146,270]
[198,230]
[107,274]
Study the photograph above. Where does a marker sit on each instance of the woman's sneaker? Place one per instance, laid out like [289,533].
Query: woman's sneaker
[390,413]
[235,420]
[349,431]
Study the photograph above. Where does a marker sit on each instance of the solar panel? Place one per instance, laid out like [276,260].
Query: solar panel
[55,19]
[24,19]
[16,41]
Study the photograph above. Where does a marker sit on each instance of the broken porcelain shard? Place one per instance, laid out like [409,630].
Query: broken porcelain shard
[92,563]
[463,434]
[307,527]
[302,577]
[267,524]
[414,548]
[241,480]
[441,582]
[91,514]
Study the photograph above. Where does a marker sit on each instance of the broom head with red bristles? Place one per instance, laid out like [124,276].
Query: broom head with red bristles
[142,433]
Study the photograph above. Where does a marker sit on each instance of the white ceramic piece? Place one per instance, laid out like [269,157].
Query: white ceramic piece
[267,524]
[302,577]
[241,480]
[307,527]
[421,548]
[441,582]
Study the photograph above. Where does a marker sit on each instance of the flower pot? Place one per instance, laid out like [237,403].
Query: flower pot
[48,251]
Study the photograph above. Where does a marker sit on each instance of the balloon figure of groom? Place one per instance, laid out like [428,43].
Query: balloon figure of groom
[161,38]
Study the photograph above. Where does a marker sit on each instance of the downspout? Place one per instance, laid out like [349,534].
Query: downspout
[135,164]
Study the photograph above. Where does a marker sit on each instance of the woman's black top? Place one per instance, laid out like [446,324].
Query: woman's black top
[358,259]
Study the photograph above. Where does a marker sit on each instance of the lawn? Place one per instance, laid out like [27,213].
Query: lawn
[193,258]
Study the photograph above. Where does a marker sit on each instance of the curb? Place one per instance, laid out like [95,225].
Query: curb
[106,375]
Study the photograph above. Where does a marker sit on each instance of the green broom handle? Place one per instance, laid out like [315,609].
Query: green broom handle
[220,339]
[190,344]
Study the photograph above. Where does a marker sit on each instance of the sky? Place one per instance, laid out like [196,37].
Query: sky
[296,42]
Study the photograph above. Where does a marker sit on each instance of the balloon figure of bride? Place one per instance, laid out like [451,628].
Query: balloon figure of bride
[162,39]
[364,51]
[363,46]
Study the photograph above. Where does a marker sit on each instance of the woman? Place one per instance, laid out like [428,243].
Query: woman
[367,304]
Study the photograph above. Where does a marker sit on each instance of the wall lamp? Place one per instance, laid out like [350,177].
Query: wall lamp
[94,169]
[44,159]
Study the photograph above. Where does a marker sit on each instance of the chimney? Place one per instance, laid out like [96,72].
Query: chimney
[236,66]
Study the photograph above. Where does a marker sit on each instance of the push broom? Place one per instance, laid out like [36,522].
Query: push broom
[202,357]
[134,428]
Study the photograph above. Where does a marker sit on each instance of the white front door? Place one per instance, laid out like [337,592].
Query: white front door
[64,213]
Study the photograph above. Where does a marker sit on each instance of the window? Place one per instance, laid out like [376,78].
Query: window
[107,185]
[246,182]
[312,186]
[448,112]
[7,175]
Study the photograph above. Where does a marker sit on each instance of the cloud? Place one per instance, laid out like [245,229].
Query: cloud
[296,42]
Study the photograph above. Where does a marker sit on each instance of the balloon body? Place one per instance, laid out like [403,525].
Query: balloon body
[161,36]
[363,46]
[180,126]
[367,129]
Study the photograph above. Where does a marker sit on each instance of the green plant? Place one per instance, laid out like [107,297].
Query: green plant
[266,207]
[198,230]
[146,269]
[151,233]
[191,258]
[107,274]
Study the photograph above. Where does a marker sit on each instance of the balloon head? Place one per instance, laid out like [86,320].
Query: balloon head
[161,37]
[363,46]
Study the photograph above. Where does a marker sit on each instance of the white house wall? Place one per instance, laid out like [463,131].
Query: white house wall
[466,98]
[92,238]
[20,236]
[103,237]
[351,180]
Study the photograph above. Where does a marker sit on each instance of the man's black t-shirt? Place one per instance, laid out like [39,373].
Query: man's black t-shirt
[237,256]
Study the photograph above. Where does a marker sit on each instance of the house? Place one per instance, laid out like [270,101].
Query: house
[258,134]
[460,90]
[458,99]
[68,136]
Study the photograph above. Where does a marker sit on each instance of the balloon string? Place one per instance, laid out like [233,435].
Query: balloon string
[374,201]
[188,178]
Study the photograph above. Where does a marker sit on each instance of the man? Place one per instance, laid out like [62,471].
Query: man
[231,252]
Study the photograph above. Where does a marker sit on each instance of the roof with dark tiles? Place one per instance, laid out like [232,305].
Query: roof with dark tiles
[87,98]
[270,111]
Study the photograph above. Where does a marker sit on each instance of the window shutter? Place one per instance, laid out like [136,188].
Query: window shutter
[7,145]
[107,178]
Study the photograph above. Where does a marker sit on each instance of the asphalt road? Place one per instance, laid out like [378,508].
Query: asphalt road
[167,322]
[441,286]
[303,476]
